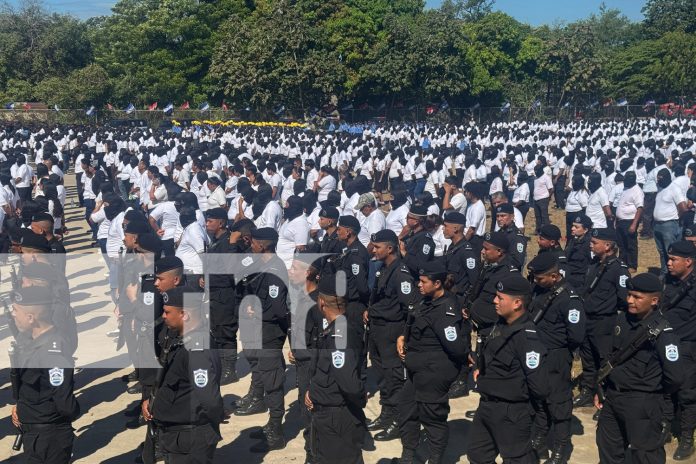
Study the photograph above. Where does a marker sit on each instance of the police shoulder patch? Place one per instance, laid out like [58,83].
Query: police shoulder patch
[562,272]
[520,247]
[338,358]
[56,376]
[355,269]
[426,249]
[532,359]
[200,377]
[273,291]
[406,288]
[622,281]
[450,333]
[148,298]
[672,353]
[248,261]
[470,263]
[573,316]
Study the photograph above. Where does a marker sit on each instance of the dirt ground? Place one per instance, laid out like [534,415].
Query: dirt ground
[101,433]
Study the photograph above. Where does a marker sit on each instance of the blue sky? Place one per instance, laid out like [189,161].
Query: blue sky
[534,12]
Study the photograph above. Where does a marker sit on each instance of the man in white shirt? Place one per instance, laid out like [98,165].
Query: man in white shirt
[453,198]
[372,220]
[670,205]
[193,241]
[475,215]
[543,188]
[628,214]
[293,234]
[164,219]
[216,199]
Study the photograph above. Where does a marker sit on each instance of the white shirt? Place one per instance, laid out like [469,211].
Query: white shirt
[271,216]
[168,217]
[458,202]
[595,204]
[371,224]
[666,202]
[577,201]
[326,185]
[476,218]
[542,185]
[191,247]
[396,219]
[104,224]
[291,235]
[25,173]
[114,239]
[217,199]
[521,194]
[630,200]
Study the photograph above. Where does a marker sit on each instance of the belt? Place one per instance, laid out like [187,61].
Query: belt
[494,399]
[665,222]
[612,387]
[29,427]
[320,407]
[179,428]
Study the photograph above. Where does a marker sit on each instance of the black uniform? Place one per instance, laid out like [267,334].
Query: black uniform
[482,310]
[604,294]
[420,248]
[187,406]
[630,420]
[512,372]
[394,294]
[518,245]
[437,344]
[337,392]
[578,259]
[465,265]
[129,276]
[46,404]
[560,321]
[148,325]
[559,254]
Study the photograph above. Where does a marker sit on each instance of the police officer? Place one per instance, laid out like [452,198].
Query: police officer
[577,251]
[505,217]
[187,405]
[417,245]
[680,299]
[264,278]
[336,395]
[549,241]
[394,295]
[46,405]
[224,317]
[240,236]
[604,293]
[629,422]
[559,317]
[435,344]
[511,372]
[43,224]
[328,222]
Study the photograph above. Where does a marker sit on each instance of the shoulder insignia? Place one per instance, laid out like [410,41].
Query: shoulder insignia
[573,316]
[468,246]
[406,288]
[530,330]
[355,269]
[273,291]
[55,348]
[449,313]
[520,247]
[672,353]
[617,330]
[148,298]
[513,269]
[667,329]
[470,263]
[404,269]
[337,335]
[622,281]
[426,249]
[248,261]
[338,359]
[450,333]
[624,266]
[56,376]
[427,234]
[200,377]
[532,359]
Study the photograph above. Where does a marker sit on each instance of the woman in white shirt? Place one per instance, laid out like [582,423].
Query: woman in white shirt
[324,184]
[520,197]
[432,181]
[192,243]
[598,203]
[576,201]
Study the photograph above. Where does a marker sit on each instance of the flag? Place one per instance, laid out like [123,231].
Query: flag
[225,107]
[109,107]
[152,107]
[382,106]
[90,111]
[204,107]
[536,104]
[567,104]
[279,110]
[430,110]
[622,102]
[476,106]
[444,105]
[348,107]
[55,107]
[10,106]
[505,107]
[26,106]
[595,104]
[169,108]
[130,108]
[185,106]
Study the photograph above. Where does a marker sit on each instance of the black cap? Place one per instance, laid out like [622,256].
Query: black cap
[648,283]
[604,234]
[550,232]
[504,208]
[418,210]
[455,218]
[683,248]
[242,223]
[350,222]
[514,284]
[216,213]
[385,236]
[329,212]
[137,227]
[38,270]
[36,295]
[434,270]
[167,264]
[327,285]
[42,217]
[583,220]
[33,241]
[265,233]
[150,242]
[176,297]
[690,230]
[542,263]
[498,239]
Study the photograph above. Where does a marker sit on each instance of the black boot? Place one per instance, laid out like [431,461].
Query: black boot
[558,455]
[390,432]
[244,400]
[380,422]
[435,458]
[585,398]
[275,439]
[255,406]
[229,370]
[408,456]
[686,446]
[539,445]
[666,432]
[459,389]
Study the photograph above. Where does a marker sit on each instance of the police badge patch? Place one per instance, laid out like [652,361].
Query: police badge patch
[520,248]
[273,291]
[355,268]
[672,352]
[406,288]
[200,377]
[338,358]
[426,249]
[622,281]
[246,262]
[450,333]
[56,376]
[573,316]
[324,323]
[148,298]
[470,263]
[532,359]
[562,272]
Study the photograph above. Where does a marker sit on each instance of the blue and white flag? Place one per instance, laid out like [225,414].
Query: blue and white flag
[567,104]
[204,107]
[55,107]
[10,106]
[169,108]
[130,109]
[505,107]
[90,111]
[622,102]
[536,104]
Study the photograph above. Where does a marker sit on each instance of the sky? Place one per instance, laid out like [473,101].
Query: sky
[534,12]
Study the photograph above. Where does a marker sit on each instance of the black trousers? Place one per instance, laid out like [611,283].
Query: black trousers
[504,429]
[686,396]
[48,444]
[433,417]
[80,188]
[190,446]
[338,435]
[559,193]
[647,218]
[541,212]
[595,348]
[268,377]
[628,243]
[303,369]
[557,410]
[386,360]
[630,423]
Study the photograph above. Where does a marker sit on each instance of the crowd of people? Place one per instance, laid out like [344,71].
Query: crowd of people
[405,245]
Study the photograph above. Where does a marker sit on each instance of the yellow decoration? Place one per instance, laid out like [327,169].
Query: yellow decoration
[246,123]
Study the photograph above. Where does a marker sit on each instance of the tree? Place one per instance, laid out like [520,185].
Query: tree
[468,10]
[663,16]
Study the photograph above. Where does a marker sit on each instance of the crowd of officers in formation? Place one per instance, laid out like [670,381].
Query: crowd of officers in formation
[439,300]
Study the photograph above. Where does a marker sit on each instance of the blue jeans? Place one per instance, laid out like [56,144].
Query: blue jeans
[420,186]
[666,233]
[89,207]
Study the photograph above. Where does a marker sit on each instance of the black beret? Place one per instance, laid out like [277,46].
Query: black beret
[35,295]
[242,223]
[690,230]
[329,212]
[137,227]
[177,296]
[216,213]
[167,264]
[134,215]
[265,233]
[41,217]
[150,242]
[350,222]
[327,285]
[435,269]
[418,210]
[550,232]
[498,239]
[542,263]
[648,283]
[514,284]
[683,248]
[33,241]
[504,208]
[584,220]
[38,270]
[604,234]
[455,218]
[385,236]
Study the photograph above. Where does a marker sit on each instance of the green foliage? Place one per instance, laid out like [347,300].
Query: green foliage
[662,16]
